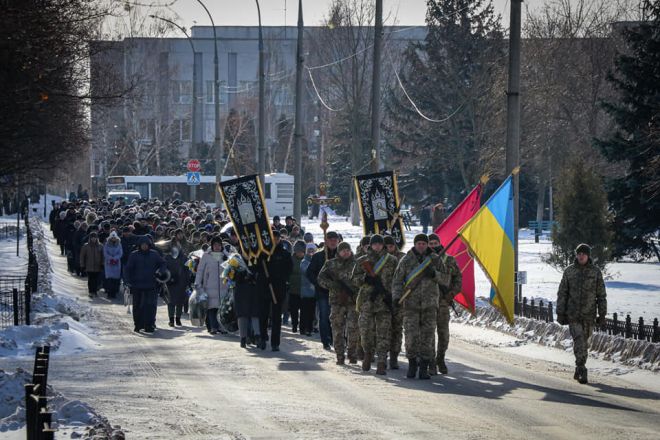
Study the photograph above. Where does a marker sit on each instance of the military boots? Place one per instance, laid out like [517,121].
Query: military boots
[424,370]
[442,366]
[412,368]
[582,374]
[340,360]
[381,367]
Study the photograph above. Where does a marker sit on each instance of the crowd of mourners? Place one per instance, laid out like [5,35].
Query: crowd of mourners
[358,302]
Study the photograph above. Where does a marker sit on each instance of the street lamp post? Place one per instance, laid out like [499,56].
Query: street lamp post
[261,151]
[217,145]
[196,114]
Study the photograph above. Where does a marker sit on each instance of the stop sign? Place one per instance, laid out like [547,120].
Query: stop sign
[194,165]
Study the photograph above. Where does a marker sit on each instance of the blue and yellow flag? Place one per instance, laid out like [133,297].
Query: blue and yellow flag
[489,237]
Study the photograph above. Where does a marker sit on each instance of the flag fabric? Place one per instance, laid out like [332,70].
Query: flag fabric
[489,236]
[447,232]
[244,199]
[378,199]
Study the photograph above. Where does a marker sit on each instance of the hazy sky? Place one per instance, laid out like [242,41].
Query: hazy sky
[244,12]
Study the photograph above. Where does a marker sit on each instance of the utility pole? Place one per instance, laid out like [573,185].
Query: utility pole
[298,133]
[261,150]
[375,87]
[513,120]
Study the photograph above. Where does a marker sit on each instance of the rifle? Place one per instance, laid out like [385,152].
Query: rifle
[378,287]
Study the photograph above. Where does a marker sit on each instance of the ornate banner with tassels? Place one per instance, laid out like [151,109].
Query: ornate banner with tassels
[244,199]
[378,198]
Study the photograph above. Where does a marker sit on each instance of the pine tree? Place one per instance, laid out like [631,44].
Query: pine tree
[451,77]
[635,141]
[582,217]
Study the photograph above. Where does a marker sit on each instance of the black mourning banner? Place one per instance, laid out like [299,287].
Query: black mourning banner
[378,196]
[244,200]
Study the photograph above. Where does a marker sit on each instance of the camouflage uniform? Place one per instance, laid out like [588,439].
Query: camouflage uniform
[343,316]
[450,286]
[375,316]
[581,294]
[397,325]
[420,308]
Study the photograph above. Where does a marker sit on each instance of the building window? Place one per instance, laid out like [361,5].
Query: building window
[210,92]
[182,92]
[146,130]
[181,130]
[209,130]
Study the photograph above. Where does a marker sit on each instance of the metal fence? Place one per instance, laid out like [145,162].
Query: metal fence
[16,290]
[544,311]
[37,417]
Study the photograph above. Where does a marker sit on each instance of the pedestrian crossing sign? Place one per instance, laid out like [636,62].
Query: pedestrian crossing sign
[193,178]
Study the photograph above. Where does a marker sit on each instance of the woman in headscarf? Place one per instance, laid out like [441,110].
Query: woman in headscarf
[112,253]
[208,281]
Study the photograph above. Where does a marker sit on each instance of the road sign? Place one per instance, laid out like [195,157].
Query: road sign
[194,165]
[193,178]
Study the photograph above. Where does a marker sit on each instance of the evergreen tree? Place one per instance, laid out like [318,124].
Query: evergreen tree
[452,77]
[635,141]
[582,217]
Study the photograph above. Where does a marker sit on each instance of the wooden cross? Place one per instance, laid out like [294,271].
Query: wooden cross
[323,200]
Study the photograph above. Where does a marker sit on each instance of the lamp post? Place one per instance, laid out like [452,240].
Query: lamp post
[217,145]
[261,150]
[298,131]
[196,114]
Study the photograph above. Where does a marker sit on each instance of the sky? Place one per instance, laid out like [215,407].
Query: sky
[244,12]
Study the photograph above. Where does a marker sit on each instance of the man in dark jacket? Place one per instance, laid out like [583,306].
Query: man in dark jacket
[581,294]
[279,270]
[141,277]
[322,295]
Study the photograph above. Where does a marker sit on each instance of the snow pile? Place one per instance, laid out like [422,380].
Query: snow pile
[55,318]
[632,352]
[73,418]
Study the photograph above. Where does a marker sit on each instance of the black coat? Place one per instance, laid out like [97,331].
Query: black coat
[180,276]
[280,267]
[246,296]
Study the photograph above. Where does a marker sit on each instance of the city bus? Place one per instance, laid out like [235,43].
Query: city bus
[278,189]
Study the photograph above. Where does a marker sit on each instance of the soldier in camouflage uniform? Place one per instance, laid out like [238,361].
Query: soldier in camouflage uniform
[335,276]
[420,308]
[361,251]
[453,278]
[581,294]
[397,310]
[375,302]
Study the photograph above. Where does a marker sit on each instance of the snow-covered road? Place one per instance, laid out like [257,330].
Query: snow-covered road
[183,383]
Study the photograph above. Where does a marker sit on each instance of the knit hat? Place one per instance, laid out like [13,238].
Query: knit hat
[310,246]
[366,241]
[388,239]
[343,245]
[421,237]
[299,246]
[376,238]
[434,237]
[308,237]
[583,249]
[331,234]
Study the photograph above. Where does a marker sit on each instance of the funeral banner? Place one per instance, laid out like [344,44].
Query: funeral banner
[246,206]
[378,197]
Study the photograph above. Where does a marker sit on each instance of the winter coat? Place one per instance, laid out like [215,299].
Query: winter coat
[385,275]
[78,241]
[581,294]
[280,267]
[294,278]
[141,268]
[112,254]
[425,293]
[307,289]
[312,272]
[208,279]
[335,272]
[246,296]
[91,257]
[178,283]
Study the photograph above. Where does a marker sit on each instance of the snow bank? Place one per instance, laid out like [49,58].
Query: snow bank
[73,418]
[642,354]
[55,318]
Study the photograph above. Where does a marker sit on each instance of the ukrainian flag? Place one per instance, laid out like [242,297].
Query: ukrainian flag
[489,235]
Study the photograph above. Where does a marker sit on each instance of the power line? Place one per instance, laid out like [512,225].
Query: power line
[318,95]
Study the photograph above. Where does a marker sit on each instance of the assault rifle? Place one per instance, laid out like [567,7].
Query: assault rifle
[378,286]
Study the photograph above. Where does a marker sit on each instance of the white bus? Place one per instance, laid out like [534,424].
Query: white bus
[278,189]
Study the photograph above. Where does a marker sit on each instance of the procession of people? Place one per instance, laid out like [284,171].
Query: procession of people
[365,305]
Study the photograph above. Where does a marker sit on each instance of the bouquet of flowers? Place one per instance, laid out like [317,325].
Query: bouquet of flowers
[231,267]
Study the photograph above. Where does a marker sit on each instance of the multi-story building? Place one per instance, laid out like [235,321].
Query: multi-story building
[141,117]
